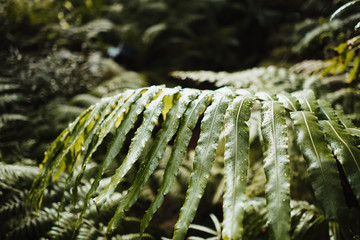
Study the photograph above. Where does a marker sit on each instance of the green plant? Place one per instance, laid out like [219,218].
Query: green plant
[323,136]
[274,79]
[54,220]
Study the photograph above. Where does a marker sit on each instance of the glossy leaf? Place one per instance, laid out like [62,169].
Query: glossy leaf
[321,165]
[181,142]
[307,100]
[344,147]
[236,164]
[276,166]
[211,126]
[168,130]
[142,135]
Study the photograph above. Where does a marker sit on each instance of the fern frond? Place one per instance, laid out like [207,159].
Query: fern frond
[169,128]
[343,9]
[9,118]
[307,220]
[182,140]
[11,98]
[17,175]
[33,226]
[222,110]
[63,227]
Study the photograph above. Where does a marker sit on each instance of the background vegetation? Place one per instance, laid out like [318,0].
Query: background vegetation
[59,57]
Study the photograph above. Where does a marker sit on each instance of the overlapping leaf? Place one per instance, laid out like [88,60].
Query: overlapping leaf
[182,140]
[346,151]
[321,165]
[211,126]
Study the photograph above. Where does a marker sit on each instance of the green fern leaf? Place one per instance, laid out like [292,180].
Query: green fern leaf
[168,130]
[306,217]
[321,165]
[95,134]
[288,101]
[125,125]
[142,135]
[354,131]
[276,166]
[236,165]
[345,150]
[59,148]
[344,119]
[307,100]
[181,142]
[326,110]
[211,126]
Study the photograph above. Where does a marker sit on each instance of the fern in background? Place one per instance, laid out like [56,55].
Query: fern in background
[48,223]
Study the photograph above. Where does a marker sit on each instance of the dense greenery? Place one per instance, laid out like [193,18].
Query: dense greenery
[259,156]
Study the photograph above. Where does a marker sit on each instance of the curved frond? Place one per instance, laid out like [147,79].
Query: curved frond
[169,128]
[136,115]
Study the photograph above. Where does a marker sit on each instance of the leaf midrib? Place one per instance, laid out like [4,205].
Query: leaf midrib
[235,168]
[276,166]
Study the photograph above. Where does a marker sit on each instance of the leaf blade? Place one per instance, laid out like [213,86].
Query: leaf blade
[345,150]
[277,170]
[211,126]
[236,164]
[168,129]
[321,165]
[142,135]
[181,142]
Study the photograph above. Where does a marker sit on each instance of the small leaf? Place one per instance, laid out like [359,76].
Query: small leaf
[355,70]
[289,102]
[345,121]
[326,110]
